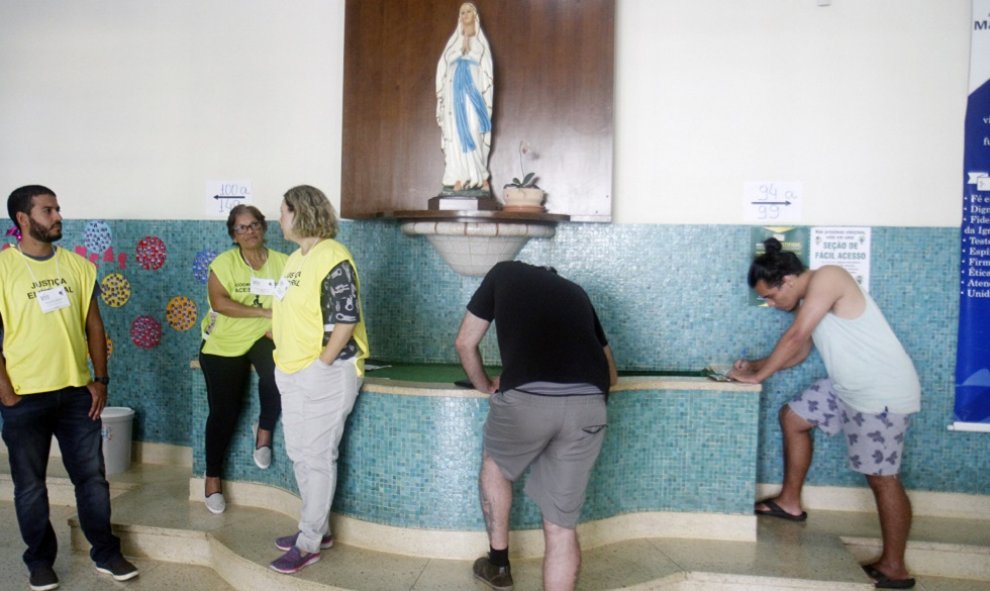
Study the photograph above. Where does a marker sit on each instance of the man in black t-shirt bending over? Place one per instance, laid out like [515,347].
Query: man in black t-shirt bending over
[547,409]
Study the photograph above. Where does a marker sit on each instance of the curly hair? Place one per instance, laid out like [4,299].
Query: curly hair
[314,214]
[773,265]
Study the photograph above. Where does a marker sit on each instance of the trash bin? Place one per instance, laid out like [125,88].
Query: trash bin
[117,425]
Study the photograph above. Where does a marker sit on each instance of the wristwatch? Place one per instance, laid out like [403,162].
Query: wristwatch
[102,379]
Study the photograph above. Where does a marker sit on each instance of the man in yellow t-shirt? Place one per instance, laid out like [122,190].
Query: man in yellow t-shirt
[51,321]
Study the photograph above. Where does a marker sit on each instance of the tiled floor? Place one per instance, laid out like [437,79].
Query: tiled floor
[172,539]
[76,570]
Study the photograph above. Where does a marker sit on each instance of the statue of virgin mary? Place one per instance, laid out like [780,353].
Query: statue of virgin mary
[464,106]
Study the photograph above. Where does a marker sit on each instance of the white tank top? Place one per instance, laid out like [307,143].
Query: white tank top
[868,365]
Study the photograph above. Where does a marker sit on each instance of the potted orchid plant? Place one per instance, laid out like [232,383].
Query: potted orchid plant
[525,194]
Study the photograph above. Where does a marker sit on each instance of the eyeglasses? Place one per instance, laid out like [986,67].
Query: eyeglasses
[243,228]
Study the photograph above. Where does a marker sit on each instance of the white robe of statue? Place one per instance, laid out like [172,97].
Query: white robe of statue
[464,104]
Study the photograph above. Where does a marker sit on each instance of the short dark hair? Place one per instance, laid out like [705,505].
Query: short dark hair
[774,264]
[244,208]
[21,200]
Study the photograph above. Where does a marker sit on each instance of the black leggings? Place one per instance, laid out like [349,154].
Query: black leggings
[226,380]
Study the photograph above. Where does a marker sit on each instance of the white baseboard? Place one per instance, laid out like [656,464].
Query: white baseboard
[143,452]
[463,545]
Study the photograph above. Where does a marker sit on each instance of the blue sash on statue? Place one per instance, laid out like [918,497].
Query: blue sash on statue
[464,88]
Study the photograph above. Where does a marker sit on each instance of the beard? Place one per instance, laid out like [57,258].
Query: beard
[40,233]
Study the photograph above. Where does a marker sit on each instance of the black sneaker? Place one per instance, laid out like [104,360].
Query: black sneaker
[43,578]
[496,577]
[119,569]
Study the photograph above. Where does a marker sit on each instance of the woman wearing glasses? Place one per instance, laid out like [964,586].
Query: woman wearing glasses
[237,335]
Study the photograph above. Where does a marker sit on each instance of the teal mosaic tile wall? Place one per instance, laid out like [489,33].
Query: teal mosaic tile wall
[410,461]
[676,451]
[675,297]
[669,297]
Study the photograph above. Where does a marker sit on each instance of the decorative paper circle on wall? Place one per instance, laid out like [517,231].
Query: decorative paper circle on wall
[146,332]
[115,290]
[201,265]
[180,313]
[97,237]
[150,253]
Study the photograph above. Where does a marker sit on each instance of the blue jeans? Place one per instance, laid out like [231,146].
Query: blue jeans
[28,427]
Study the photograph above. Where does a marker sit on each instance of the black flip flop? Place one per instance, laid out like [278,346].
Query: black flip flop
[776,511]
[882,581]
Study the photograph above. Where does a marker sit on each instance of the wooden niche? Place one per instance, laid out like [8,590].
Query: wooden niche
[553,70]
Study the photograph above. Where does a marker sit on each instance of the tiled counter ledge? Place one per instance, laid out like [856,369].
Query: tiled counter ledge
[679,460]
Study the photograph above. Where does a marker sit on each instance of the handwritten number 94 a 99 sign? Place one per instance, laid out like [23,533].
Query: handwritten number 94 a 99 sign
[770,201]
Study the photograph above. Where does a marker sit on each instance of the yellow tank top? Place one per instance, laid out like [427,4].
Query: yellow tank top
[298,318]
[45,351]
[227,336]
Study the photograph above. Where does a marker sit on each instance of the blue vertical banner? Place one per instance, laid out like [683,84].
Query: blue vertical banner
[973,358]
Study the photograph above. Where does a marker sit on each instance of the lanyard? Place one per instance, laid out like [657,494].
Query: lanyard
[28,265]
[53,298]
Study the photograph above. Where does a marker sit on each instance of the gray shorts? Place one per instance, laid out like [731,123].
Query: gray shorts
[874,442]
[560,436]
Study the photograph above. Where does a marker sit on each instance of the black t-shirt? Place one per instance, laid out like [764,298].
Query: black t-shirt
[547,329]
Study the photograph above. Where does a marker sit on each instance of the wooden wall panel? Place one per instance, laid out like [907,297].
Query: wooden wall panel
[553,63]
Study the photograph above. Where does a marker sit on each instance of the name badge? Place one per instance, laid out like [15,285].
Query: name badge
[261,286]
[281,289]
[52,299]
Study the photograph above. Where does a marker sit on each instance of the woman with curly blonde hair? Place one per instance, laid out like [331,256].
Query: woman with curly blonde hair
[320,347]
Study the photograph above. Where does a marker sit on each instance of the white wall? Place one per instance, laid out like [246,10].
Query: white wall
[126,108]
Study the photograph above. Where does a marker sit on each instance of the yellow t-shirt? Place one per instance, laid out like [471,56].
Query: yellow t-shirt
[304,317]
[45,351]
[227,336]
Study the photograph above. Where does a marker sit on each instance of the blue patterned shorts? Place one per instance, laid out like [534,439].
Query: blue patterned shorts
[875,442]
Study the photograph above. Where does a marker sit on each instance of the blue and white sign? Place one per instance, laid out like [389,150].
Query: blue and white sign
[972,410]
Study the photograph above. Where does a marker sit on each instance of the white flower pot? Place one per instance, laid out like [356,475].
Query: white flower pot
[524,199]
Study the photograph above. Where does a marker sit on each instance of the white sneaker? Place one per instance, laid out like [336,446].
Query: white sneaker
[215,503]
[263,457]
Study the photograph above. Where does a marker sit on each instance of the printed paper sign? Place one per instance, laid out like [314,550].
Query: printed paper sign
[848,248]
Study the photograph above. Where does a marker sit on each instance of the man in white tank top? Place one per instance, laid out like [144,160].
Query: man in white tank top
[870,392]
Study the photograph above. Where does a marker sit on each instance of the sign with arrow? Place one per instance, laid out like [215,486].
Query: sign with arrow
[772,202]
[222,196]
